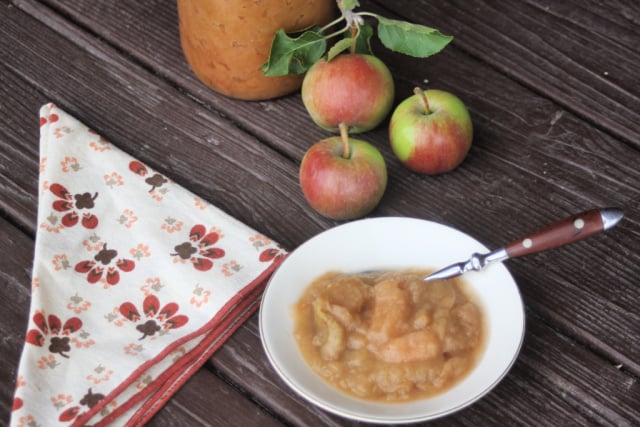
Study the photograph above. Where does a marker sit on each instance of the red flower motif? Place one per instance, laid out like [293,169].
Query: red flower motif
[70,203]
[155,181]
[69,414]
[89,400]
[17,404]
[95,268]
[159,318]
[52,118]
[199,248]
[52,325]
[269,254]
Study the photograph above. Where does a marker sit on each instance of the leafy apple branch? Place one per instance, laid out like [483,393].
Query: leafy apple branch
[295,53]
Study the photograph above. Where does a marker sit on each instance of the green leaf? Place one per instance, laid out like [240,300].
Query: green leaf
[363,39]
[411,39]
[348,4]
[362,43]
[294,55]
[339,47]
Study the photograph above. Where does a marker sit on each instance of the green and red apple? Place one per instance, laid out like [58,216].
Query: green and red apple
[355,89]
[343,178]
[431,132]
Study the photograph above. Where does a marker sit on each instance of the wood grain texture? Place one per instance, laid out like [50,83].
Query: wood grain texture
[149,119]
[535,159]
[16,252]
[526,147]
[567,56]
[563,392]
[207,400]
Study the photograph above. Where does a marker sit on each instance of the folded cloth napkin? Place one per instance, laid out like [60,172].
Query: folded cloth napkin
[136,282]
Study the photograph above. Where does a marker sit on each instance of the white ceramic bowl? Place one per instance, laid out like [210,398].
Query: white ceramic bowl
[390,243]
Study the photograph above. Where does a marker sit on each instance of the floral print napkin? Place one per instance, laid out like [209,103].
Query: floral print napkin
[136,282]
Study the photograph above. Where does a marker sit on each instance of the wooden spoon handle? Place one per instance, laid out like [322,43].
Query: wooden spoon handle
[566,231]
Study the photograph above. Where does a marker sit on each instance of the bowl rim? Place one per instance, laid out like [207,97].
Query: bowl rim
[377,419]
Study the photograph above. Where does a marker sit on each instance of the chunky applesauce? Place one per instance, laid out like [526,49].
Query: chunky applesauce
[389,336]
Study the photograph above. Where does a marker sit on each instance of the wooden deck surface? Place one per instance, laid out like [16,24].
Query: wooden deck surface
[554,92]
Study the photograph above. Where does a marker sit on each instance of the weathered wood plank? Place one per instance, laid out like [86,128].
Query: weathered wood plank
[526,148]
[551,380]
[207,400]
[618,21]
[570,59]
[18,178]
[564,384]
[554,164]
[280,122]
[16,254]
[201,151]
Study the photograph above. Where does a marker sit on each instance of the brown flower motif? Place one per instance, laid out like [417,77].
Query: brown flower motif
[70,204]
[157,318]
[199,248]
[53,328]
[95,268]
[155,181]
[89,400]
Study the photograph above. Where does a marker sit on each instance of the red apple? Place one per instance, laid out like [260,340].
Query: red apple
[343,178]
[431,131]
[354,89]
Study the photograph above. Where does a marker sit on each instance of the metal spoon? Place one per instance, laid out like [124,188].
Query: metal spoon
[568,230]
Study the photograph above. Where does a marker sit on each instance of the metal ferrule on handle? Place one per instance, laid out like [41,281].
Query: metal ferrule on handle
[479,261]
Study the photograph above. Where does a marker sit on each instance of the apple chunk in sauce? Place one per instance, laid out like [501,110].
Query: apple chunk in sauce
[388,336]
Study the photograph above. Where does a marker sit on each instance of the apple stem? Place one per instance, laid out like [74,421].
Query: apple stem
[354,34]
[420,92]
[344,134]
